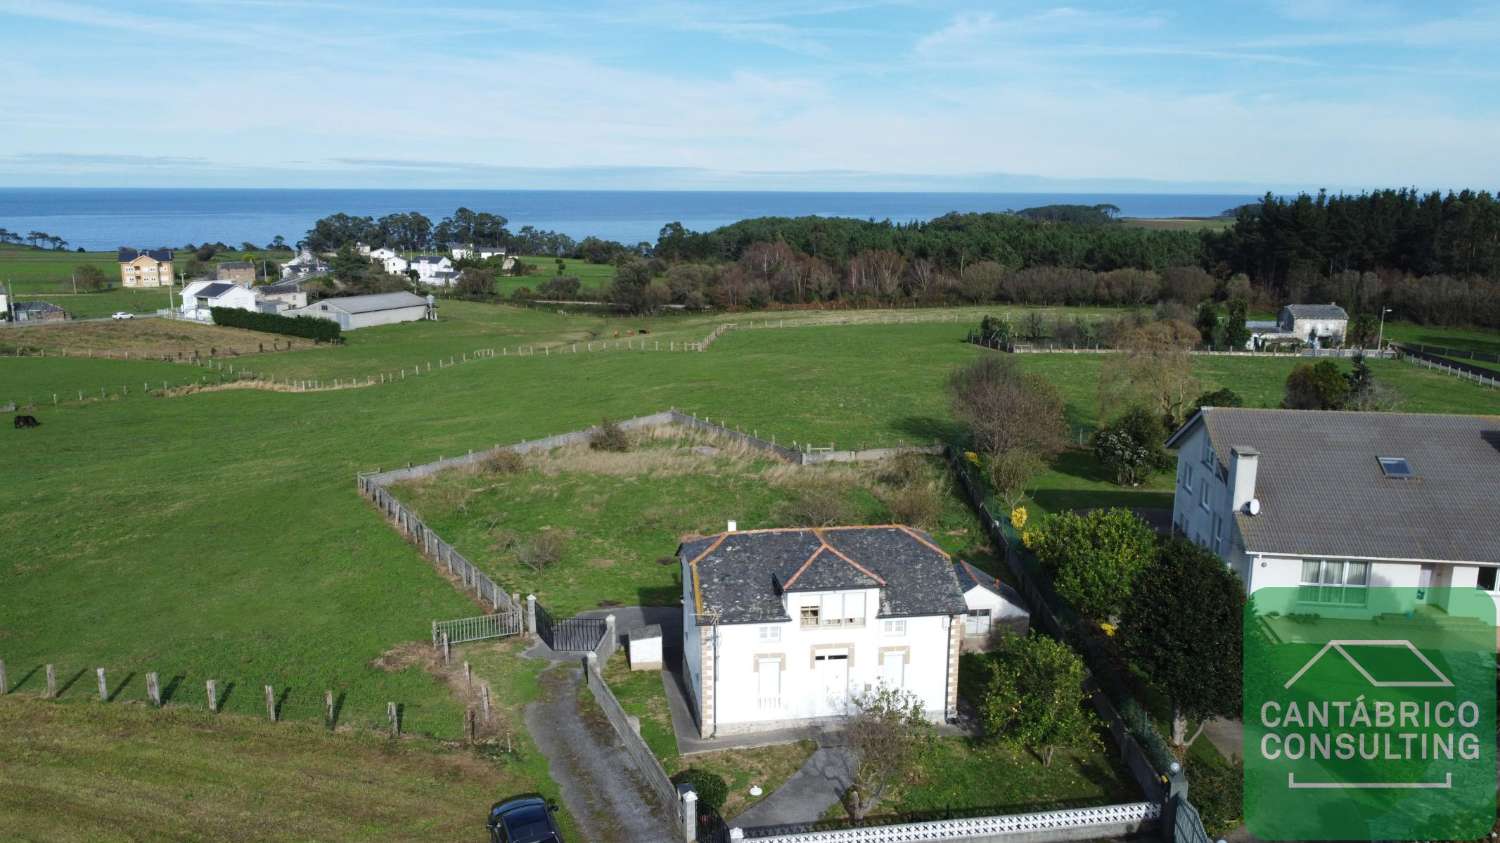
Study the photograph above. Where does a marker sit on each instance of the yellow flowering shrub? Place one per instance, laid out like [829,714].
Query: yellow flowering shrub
[1018,518]
[971,457]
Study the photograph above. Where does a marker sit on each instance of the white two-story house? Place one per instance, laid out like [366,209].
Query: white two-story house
[1335,502]
[786,627]
[199,298]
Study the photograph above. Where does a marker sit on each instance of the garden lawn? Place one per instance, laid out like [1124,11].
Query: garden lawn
[94,772]
[622,516]
[1469,339]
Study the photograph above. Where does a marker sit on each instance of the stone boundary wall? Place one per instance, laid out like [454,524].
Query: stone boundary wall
[654,775]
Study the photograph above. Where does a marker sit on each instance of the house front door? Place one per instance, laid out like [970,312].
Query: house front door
[893,669]
[832,669]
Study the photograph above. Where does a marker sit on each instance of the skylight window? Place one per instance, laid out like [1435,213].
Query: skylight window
[1395,467]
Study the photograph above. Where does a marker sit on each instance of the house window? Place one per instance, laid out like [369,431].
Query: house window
[1203,496]
[770,632]
[977,622]
[1395,467]
[1487,579]
[896,627]
[1331,582]
[809,615]
[1188,484]
[1218,534]
[836,609]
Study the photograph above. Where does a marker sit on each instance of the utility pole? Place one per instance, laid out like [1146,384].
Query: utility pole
[1380,339]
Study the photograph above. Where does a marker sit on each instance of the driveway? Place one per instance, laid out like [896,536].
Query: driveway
[807,795]
[599,783]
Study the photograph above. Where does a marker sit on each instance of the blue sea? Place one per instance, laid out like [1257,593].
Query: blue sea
[102,219]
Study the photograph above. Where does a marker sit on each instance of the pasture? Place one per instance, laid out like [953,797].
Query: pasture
[591,276]
[219,535]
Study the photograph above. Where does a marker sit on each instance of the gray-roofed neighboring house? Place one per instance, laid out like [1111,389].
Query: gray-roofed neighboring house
[993,605]
[1335,502]
[37,311]
[783,626]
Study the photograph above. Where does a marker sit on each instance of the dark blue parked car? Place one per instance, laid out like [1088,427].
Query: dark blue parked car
[524,819]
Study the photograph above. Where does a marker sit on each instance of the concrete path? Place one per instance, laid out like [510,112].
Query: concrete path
[807,795]
[599,782]
[1227,736]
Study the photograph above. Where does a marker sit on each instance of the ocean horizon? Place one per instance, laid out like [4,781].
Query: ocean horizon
[106,218]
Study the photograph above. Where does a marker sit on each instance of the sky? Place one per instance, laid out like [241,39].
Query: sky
[773,94]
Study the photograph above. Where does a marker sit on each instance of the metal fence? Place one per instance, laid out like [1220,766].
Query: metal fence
[1445,351]
[1486,377]
[1103,822]
[478,628]
[574,635]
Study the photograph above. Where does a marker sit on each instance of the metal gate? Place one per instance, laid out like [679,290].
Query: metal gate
[498,625]
[1187,827]
[573,635]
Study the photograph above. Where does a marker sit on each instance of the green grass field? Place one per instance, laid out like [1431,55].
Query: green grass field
[591,276]
[219,535]
[96,772]
[621,516]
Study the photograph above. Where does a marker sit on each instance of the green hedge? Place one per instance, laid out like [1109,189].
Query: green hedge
[311,327]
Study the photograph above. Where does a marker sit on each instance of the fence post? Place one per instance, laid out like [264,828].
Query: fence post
[4,685]
[328,706]
[271,703]
[469,717]
[51,682]
[531,614]
[689,816]
[609,635]
[468,676]
[103,685]
[395,718]
[153,688]
[212,686]
[484,700]
[445,648]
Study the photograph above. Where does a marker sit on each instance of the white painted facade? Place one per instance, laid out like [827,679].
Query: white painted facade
[1207,497]
[393,264]
[199,307]
[755,677]
[433,269]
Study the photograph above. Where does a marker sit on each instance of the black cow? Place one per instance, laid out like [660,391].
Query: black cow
[27,421]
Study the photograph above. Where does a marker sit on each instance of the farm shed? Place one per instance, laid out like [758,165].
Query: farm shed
[353,312]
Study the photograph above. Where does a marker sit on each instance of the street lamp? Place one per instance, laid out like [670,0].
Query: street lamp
[1380,339]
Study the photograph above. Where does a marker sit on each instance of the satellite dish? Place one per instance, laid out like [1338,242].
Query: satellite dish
[1253,507]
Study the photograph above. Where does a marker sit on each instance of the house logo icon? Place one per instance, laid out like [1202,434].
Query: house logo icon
[1340,646]
[1370,721]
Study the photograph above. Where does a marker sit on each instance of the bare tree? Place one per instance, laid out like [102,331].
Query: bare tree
[1007,409]
[885,735]
[541,551]
[1155,369]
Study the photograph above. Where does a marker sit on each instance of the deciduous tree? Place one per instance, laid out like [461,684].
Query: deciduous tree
[1029,692]
[1094,558]
[886,734]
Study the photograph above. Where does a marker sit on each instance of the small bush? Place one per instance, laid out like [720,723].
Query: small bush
[711,788]
[816,505]
[610,437]
[918,504]
[504,462]
[540,551]
[905,470]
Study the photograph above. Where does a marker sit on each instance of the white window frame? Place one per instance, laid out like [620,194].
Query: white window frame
[895,627]
[770,633]
[1203,497]
[1332,586]
[1218,533]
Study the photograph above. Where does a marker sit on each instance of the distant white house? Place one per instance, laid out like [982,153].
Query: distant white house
[304,264]
[459,251]
[354,312]
[436,270]
[200,297]
[1316,325]
[283,295]
[381,254]
[785,627]
[394,264]
[993,605]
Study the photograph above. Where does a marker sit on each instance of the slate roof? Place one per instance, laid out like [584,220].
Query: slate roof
[127,254]
[1317,311]
[290,285]
[742,575]
[1322,492]
[429,259]
[35,307]
[377,301]
[216,289]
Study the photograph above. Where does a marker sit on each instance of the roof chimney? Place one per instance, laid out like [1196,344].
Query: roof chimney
[1243,462]
[733,525]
